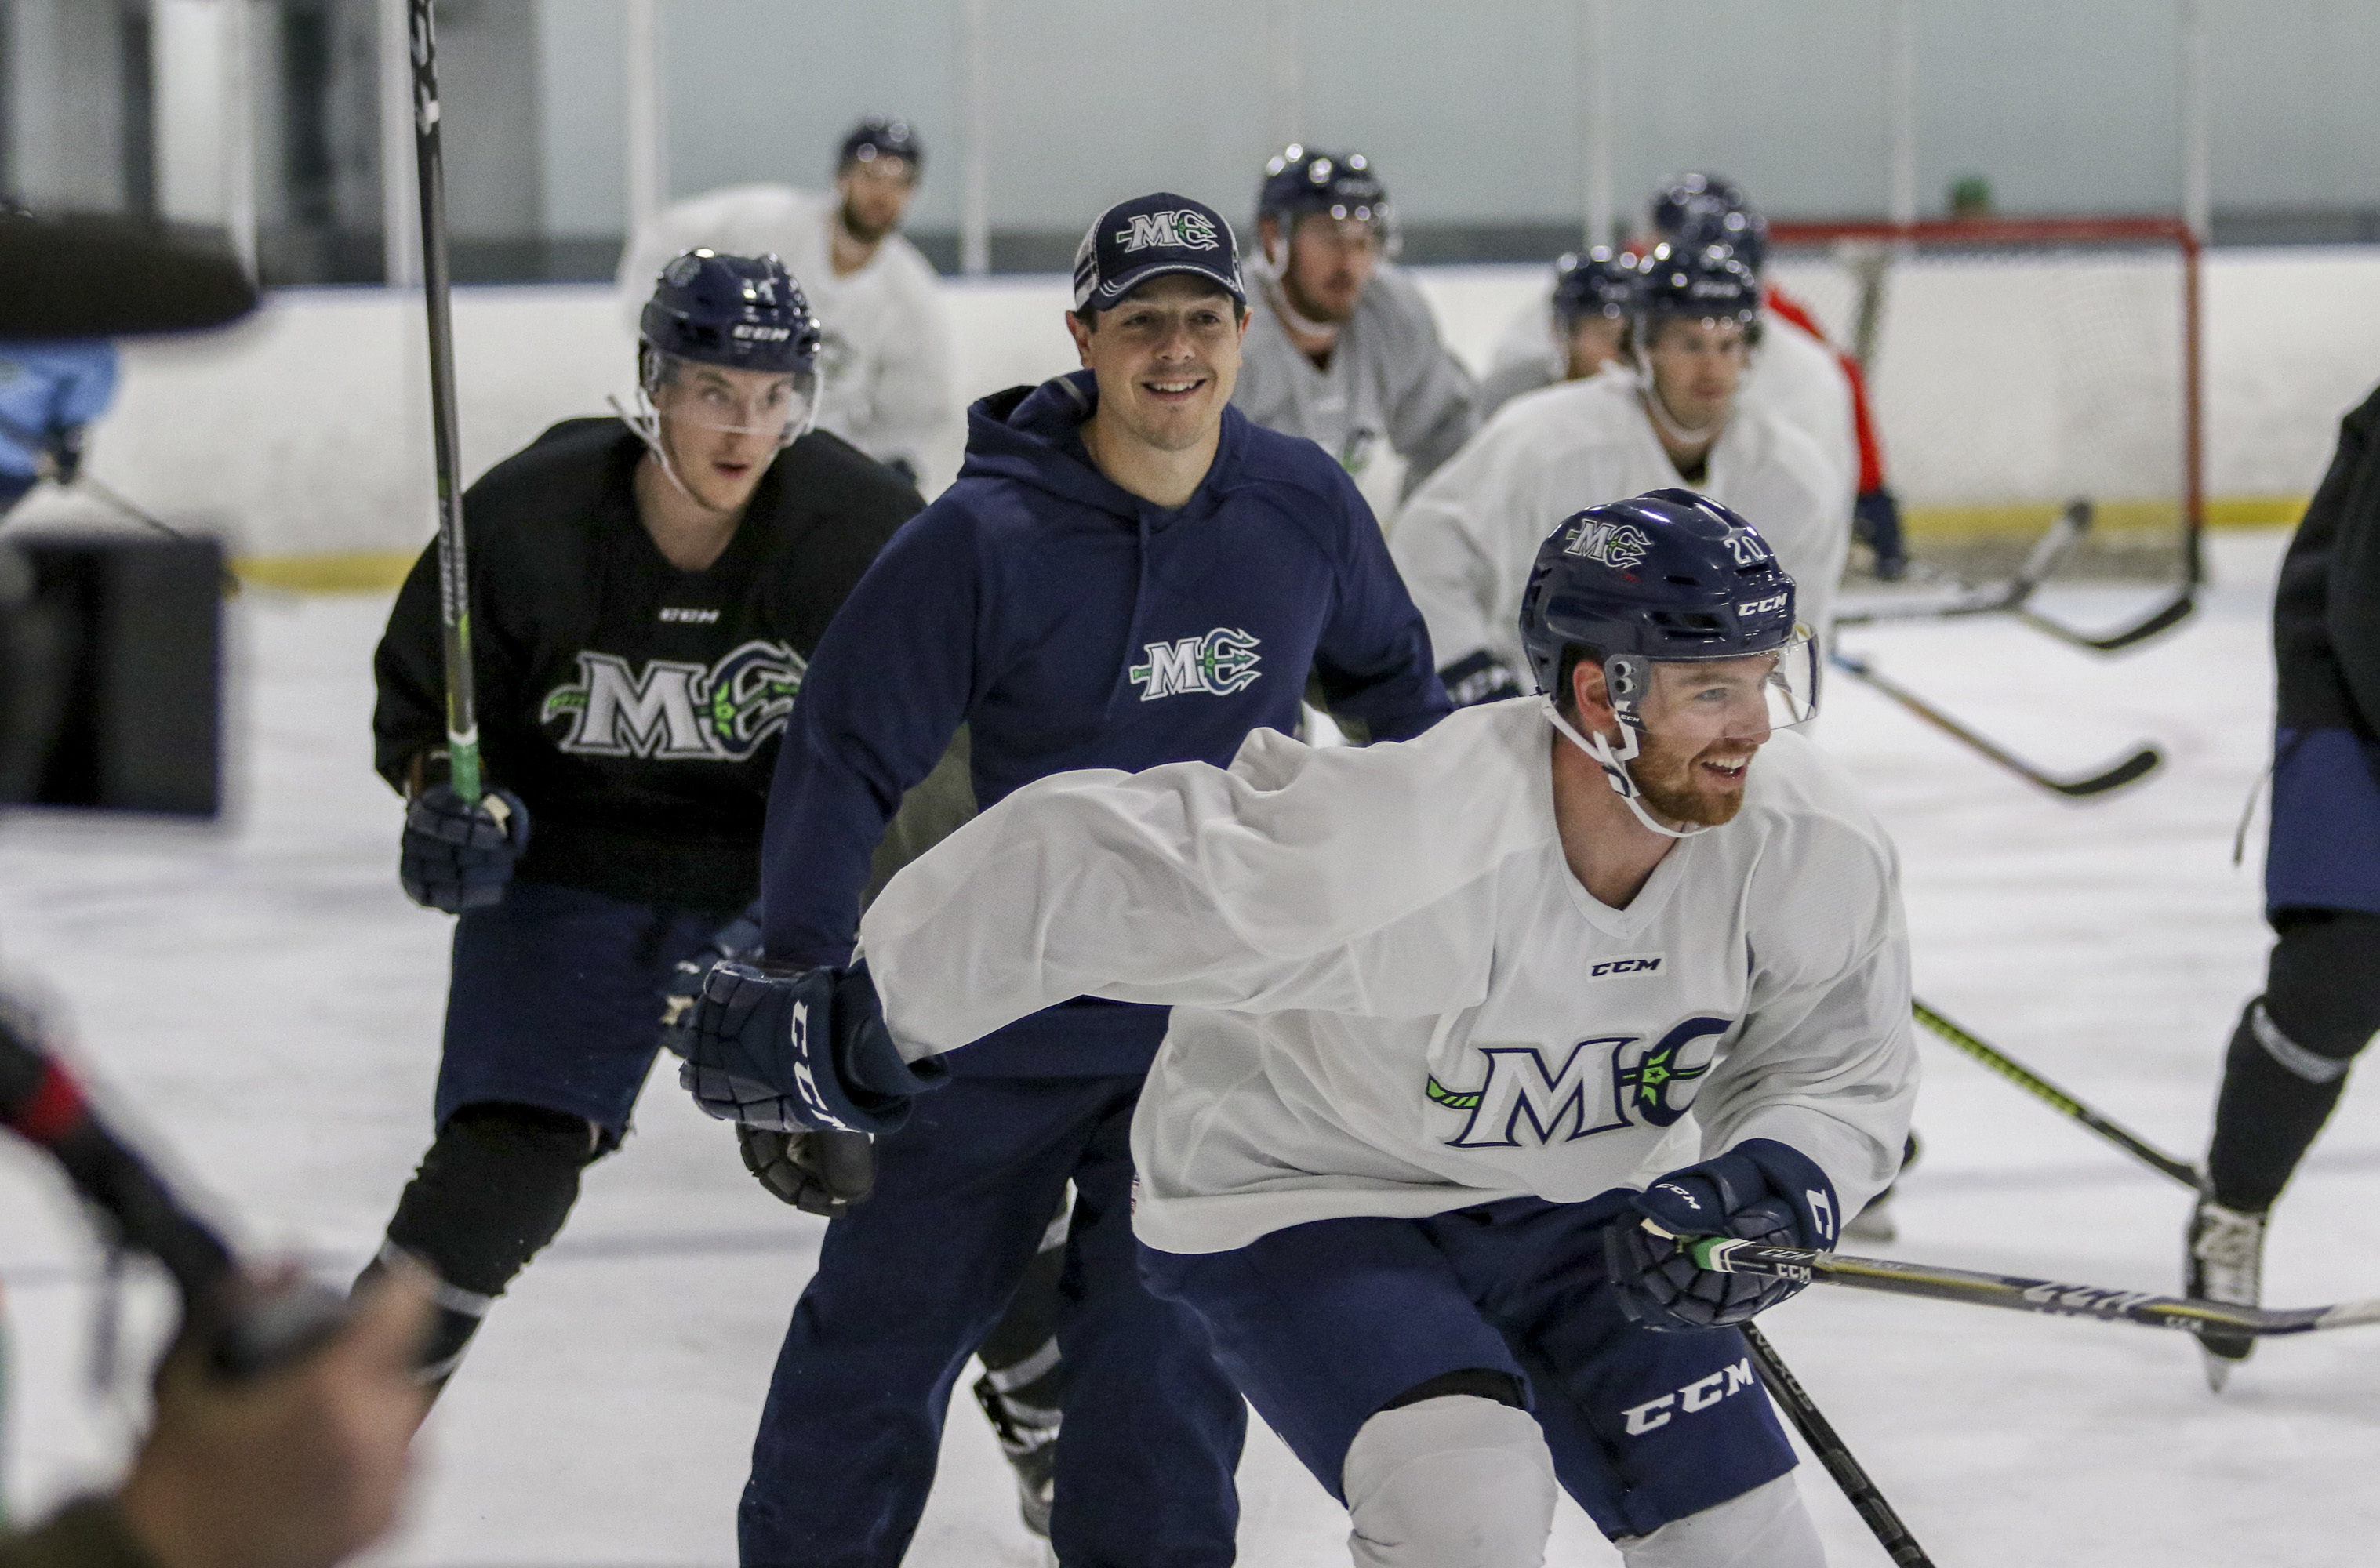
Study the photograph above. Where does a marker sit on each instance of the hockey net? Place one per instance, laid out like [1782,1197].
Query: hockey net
[2015,365]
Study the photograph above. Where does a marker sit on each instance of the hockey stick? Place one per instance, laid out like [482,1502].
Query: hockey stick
[2139,1148]
[2173,614]
[1728,1256]
[2142,762]
[2048,554]
[453,578]
[1819,1433]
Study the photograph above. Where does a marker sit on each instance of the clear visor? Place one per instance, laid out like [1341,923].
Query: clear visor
[1741,698]
[777,405]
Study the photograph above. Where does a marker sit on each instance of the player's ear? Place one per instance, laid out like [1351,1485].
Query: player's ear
[1081,332]
[1590,696]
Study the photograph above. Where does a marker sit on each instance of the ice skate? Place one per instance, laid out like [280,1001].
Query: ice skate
[2225,1262]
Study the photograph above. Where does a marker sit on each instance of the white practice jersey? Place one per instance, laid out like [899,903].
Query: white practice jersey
[1530,353]
[1465,541]
[889,388]
[1391,380]
[1798,379]
[1392,996]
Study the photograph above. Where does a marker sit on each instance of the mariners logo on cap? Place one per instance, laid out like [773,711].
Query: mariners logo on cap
[1180,228]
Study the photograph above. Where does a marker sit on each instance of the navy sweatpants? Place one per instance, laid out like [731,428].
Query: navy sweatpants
[1323,1324]
[908,1284]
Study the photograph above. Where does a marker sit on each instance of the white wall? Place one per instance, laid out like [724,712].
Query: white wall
[306,429]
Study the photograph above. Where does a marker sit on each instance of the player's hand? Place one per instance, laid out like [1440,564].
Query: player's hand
[792,1049]
[818,1173]
[739,938]
[63,455]
[458,856]
[1479,677]
[297,1468]
[1875,522]
[1760,1190]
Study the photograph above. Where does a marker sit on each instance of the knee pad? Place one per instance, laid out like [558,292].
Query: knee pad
[2322,985]
[1456,1481]
[1765,1527]
[493,1189]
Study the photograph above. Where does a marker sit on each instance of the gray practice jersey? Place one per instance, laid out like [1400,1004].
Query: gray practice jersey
[1389,380]
[1392,997]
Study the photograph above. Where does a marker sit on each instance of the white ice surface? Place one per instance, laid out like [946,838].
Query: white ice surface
[264,1002]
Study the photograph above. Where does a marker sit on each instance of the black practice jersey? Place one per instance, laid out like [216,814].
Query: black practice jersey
[636,708]
[2326,611]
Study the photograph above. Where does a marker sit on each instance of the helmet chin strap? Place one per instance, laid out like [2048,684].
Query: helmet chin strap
[1614,762]
[1670,425]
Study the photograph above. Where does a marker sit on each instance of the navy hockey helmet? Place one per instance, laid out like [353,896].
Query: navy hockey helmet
[1598,282]
[1300,180]
[745,312]
[882,136]
[740,313]
[1741,231]
[1682,196]
[1668,576]
[1708,285]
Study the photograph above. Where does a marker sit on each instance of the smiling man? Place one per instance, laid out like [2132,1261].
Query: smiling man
[645,593]
[1344,350]
[1672,417]
[1468,1035]
[1126,572]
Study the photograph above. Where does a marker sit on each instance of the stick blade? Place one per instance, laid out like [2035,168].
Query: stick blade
[2132,770]
[2173,614]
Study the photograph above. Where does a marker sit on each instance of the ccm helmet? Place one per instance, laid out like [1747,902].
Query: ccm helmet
[1667,577]
[739,313]
[1595,282]
[1299,180]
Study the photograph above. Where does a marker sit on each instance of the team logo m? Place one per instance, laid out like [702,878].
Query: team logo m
[674,710]
[1217,664]
[1180,230]
[1620,545]
[1554,1103]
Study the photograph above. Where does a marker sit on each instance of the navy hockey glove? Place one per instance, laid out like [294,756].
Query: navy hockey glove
[1760,1190]
[1479,677]
[818,1173]
[789,1049]
[1875,522]
[739,938]
[65,453]
[457,857]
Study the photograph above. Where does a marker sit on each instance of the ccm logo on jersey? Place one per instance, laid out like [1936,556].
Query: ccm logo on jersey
[690,616]
[1633,963]
[1697,1395]
[1761,607]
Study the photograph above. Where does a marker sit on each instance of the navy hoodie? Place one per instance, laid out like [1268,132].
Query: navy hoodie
[1070,624]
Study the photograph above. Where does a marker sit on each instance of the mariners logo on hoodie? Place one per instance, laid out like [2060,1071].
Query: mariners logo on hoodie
[1217,664]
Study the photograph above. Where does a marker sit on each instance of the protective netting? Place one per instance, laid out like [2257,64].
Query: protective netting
[2015,367]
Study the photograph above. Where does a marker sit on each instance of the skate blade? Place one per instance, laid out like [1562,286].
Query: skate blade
[2218,1369]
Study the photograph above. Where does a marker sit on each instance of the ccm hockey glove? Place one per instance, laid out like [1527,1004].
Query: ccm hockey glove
[739,938]
[1760,1190]
[792,1049]
[1479,677]
[458,857]
[818,1173]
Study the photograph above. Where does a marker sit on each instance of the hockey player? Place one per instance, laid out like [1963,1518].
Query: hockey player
[2292,1049]
[1128,572]
[49,394]
[889,387]
[1700,209]
[1342,349]
[644,597]
[1464,541]
[1573,337]
[1417,1152]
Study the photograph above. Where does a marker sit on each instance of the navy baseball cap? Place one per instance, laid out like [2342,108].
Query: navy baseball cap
[1148,236]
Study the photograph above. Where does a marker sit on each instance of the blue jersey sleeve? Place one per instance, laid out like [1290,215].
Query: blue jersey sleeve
[1374,661]
[890,684]
[86,387]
